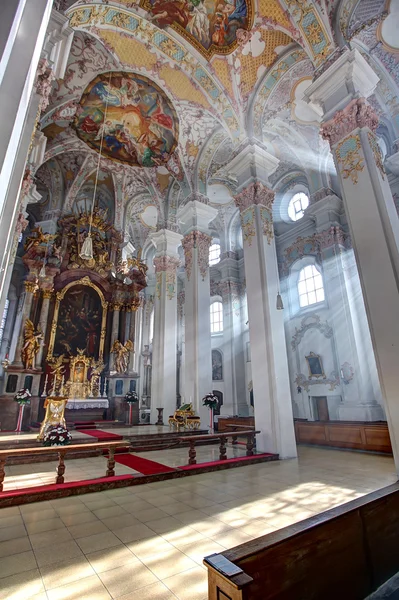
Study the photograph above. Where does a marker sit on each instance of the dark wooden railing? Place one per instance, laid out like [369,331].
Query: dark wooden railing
[222,437]
[346,552]
[61,451]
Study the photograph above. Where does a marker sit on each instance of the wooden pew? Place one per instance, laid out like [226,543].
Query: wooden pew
[344,553]
[61,451]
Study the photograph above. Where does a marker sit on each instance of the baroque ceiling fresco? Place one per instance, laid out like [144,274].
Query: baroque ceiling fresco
[191,82]
[129,118]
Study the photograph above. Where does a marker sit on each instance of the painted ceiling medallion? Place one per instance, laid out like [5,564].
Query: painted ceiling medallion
[141,126]
[211,26]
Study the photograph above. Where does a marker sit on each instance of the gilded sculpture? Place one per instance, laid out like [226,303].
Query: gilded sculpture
[33,339]
[121,355]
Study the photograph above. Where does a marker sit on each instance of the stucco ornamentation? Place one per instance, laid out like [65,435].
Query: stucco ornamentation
[165,267]
[310,322]
[357,114]
[377,153]
[349,159]
[201,242]
[256,194]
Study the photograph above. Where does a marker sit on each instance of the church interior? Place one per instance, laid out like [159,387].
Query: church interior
[199,290]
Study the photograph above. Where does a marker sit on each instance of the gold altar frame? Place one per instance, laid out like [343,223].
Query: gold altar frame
[59,297]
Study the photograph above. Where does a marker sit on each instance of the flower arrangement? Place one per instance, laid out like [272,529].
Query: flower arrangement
[132,397]
[210,400]
[57,436]
[23,397]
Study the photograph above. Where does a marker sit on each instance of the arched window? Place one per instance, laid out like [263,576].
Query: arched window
[297,206]
[214,254]
[216,317]
[310,286]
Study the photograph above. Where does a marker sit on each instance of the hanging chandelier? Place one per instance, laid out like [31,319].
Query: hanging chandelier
[86,252]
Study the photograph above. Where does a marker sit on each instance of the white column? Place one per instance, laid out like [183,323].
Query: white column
[164,346]
[272,394]
[370,210]
[195,217]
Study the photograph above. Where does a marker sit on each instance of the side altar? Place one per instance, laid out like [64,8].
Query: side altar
[77,322]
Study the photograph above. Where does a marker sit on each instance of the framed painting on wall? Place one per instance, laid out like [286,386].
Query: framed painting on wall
[315,366]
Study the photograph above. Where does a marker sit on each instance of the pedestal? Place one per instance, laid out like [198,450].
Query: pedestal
[160,416]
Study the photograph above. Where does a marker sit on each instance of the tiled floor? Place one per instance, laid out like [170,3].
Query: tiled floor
[148,542]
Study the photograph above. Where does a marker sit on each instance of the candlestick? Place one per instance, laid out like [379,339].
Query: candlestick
[62,386]
[53,390]
[44,392]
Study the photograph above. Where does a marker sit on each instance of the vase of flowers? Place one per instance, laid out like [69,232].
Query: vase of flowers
[211,401]
[23,398]
[131,398]
[57,436]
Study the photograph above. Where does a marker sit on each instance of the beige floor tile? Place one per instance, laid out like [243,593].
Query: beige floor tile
[164,525]
[136,504]
[11,521]
[100,541]
[233,538]
[15,546]
[99,504]
[44,525]
[66,571]
[176,508]
[111,558]
[124,580]
[17,563]
[133,533]
[190,585]
[150,514]
[9,533]
[166,564]
[190,516]
[198,550]
[111,511]
[87,529]
[10,511]
[40,515]
[155,591]
[89,588]
[23,586]
[35,506]
[48,555]
[183,535]
[49,538]
[148,547]
[125,520]
[71,519]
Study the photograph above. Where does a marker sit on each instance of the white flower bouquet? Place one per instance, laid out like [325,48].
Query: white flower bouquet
[58,436]
[23,397]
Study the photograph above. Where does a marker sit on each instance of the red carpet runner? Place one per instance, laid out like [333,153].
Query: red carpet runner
[103,436]
[142,465]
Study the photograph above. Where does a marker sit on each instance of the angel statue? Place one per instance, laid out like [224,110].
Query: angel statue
[121,355]
[33,339]
[97,369]
[58,371]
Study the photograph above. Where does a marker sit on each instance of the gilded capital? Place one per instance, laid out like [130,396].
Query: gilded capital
[357,114]
[31,286]
[47,294]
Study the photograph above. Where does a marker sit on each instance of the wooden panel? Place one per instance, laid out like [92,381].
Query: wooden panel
[349,435]
[368,436]
[378,437]
[346,552]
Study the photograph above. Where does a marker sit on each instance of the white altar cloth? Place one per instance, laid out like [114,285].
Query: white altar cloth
[79,403]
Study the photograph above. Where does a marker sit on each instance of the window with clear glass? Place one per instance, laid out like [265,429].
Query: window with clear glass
[297,206]
[214,254]
[216,317]
[310,286]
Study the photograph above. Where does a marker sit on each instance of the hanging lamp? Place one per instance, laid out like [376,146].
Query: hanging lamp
[86,252]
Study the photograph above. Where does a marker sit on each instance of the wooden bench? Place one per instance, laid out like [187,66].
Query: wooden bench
[344,553]
[192,439]
[61,451]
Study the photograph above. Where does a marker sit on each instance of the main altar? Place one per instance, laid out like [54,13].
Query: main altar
[78,321]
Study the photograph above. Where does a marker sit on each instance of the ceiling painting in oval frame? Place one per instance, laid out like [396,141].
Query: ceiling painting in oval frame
[141,126]
[211,26]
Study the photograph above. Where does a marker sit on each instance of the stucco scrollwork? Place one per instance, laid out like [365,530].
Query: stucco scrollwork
[310,322]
